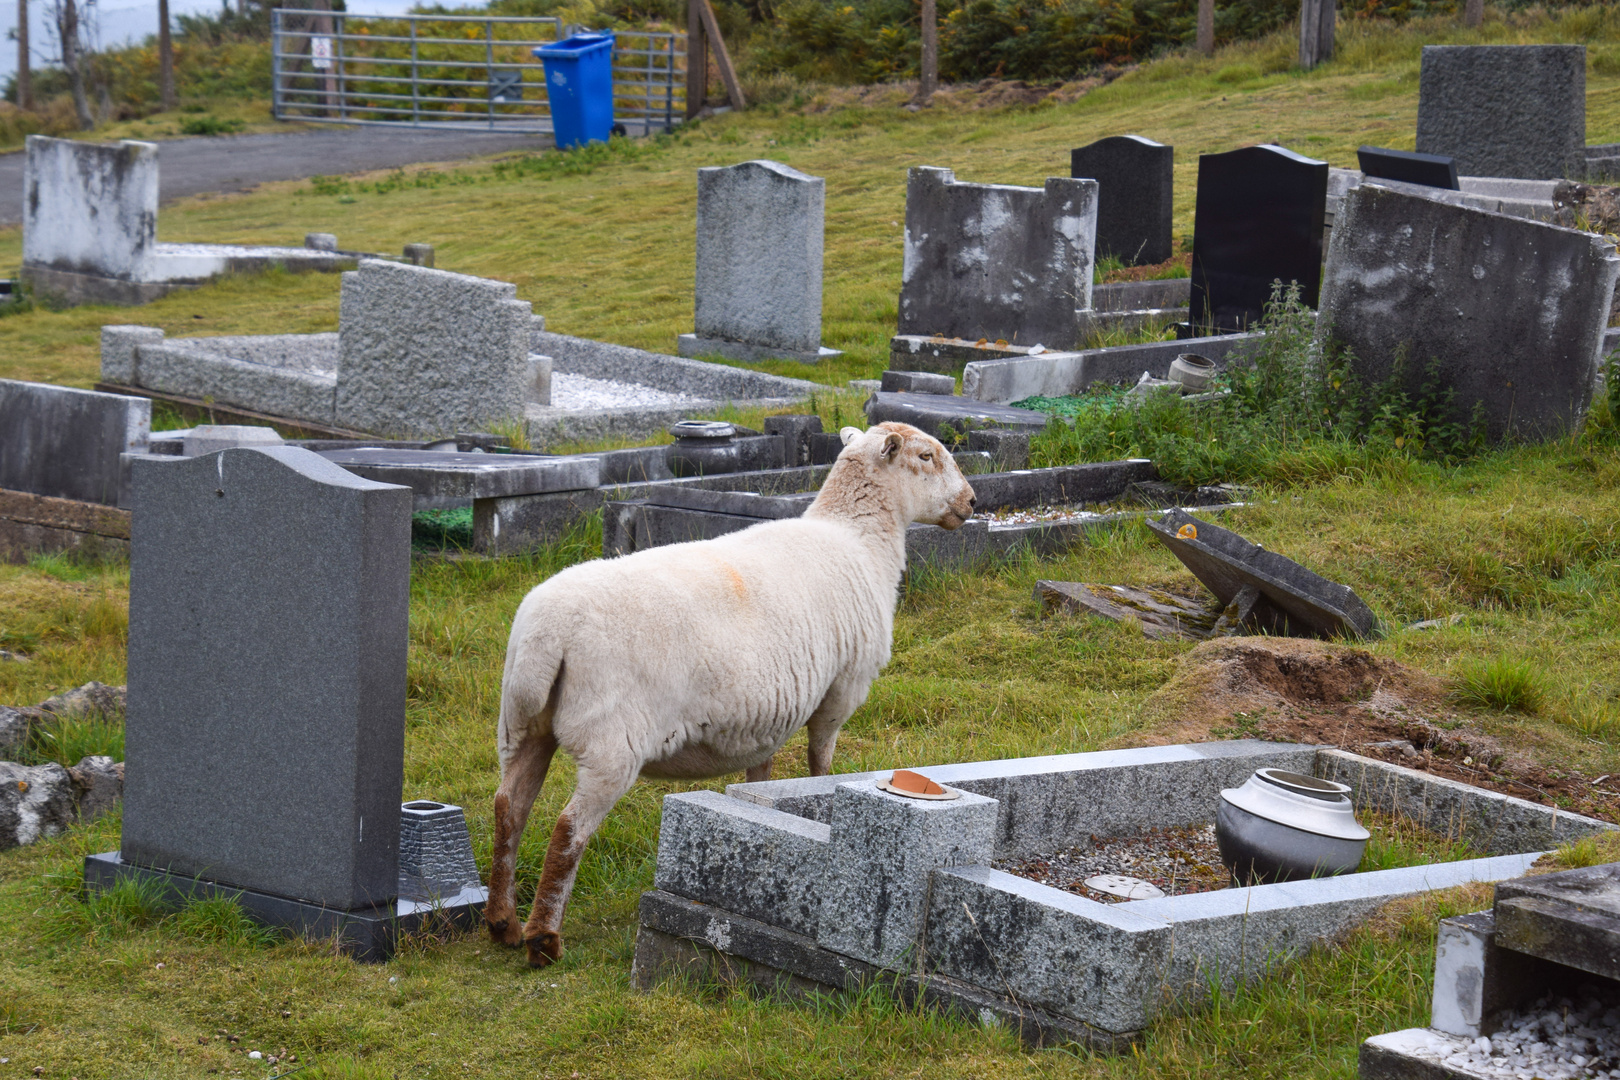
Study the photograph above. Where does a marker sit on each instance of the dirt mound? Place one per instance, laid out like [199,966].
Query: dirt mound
[1298,690]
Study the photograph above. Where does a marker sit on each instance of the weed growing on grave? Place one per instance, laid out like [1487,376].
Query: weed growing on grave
[67,740]
[1500,685]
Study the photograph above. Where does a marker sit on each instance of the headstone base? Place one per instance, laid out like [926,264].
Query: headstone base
[692,345]
[366,934]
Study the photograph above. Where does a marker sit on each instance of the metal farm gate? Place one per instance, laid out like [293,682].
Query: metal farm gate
[466,72]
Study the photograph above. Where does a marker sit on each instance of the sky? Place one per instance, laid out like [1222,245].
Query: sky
[124,22]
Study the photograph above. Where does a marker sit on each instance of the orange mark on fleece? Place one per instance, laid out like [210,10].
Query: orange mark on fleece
[738,586]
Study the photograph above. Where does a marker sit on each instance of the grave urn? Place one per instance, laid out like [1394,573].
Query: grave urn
[1286,826]
[702,448]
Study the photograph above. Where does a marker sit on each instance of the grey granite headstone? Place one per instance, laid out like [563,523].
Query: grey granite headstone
[884,847]
[759,243]
[1135,190]
[1512,311]
[1505,110]
[428,352]
[997,262]
[265,732]
[63,442]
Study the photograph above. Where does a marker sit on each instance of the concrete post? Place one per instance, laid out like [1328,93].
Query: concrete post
[930,53]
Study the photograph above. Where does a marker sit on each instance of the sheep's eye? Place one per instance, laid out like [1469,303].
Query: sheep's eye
[927,455]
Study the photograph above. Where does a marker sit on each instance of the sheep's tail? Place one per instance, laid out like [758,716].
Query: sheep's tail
[529,684]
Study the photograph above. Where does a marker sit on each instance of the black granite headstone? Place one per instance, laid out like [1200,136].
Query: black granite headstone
[1259,219]
[1430,170]
[1135,184]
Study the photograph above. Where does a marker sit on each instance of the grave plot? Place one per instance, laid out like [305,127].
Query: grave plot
[1088,495]
[421,352]
[837,881]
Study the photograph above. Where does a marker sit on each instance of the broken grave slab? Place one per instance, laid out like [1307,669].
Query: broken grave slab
[437,474]
[1292,600]
[1162,615]
[935,412]
[1570,918]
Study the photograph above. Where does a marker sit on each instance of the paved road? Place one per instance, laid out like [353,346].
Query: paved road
[239,162]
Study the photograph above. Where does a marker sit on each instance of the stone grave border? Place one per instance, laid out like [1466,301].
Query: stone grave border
[744,878]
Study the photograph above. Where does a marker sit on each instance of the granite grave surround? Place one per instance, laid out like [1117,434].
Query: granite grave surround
[424,352]
[90,215]
[245,565]
[995,261]
[670,514]
[1004,380]
[759,247]
[800,885]
[1500,973]
[1511,313]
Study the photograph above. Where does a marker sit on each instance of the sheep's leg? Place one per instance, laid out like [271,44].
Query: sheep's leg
[521,779]
[841,701]
[595,794]
[760,772]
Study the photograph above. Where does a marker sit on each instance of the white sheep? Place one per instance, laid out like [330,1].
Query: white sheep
[695,660]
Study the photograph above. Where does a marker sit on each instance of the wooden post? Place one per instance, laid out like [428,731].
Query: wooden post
[1473,12]
[1316,25]
[930,53]
[722,58]
[25,81]
[165,58]
[1206,27]
[697,61]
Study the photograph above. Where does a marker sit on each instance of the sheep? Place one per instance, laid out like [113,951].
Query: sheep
[700,659]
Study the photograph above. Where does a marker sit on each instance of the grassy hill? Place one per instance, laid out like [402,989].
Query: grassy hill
[1519,543]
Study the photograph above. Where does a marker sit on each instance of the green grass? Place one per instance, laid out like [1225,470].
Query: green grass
[1518,540]
[1501,684]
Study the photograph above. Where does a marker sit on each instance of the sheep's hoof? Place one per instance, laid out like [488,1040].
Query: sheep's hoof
[544,947]
[507,932]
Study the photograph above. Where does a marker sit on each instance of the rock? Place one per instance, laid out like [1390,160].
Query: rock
[99,785]
[6,654]
[14,727]
[91,697]
[35,802]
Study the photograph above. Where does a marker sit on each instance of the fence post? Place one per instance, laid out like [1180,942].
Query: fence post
[697,61]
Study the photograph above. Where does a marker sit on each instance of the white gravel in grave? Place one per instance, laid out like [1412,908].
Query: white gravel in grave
[1555,1039]
[583,392]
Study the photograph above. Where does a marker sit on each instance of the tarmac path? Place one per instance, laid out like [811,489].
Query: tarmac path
[224,163]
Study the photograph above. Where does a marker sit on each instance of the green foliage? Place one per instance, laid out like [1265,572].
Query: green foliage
[1501,685]
[436,530]
[211,125]
[67,740]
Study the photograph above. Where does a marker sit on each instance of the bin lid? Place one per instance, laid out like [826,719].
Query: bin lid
[576,45]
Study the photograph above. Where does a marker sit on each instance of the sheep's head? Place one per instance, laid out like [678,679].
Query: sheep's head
[922,474]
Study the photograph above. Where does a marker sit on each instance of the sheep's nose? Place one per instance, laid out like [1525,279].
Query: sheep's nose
[973,501]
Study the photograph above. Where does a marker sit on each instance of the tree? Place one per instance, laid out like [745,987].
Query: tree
[65,14]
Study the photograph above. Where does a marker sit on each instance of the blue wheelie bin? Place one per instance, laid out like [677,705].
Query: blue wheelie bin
[579,88]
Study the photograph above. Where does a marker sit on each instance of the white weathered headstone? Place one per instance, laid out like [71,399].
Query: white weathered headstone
[90,208]
[759,243]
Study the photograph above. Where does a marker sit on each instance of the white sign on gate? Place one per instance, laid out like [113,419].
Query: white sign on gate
[320,53]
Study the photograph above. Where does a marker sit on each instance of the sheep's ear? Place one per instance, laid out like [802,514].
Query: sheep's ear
[891,445]
[848,434]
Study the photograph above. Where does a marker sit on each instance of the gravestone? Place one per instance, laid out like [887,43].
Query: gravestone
[995,261]
[759,242]
[1258,219]
[1505,110]
[1430,170]
[1135,190]
[428,352]
[1510,312]
[265,731]
[65,443]
[90,208]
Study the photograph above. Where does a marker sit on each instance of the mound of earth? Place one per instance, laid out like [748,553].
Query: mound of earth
[1298,690]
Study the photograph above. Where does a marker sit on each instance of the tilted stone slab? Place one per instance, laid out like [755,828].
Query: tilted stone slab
[1509,313]
[1570,918]
[935,412]
[65,443]
[438,474]
[428,352]
[1010,379]
[1505,110]
[1295,600]
[995,261]
[1486,820]
[745,858]
[192,368]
